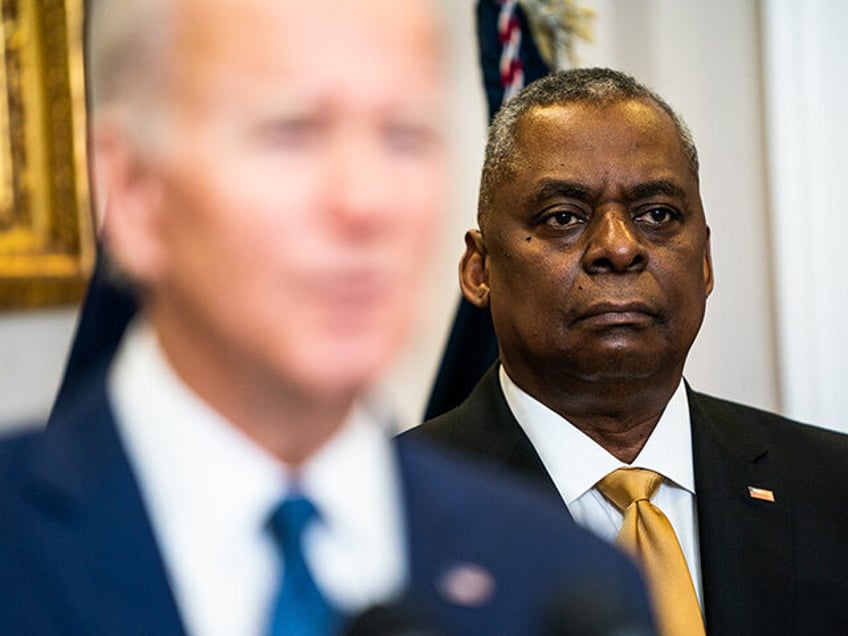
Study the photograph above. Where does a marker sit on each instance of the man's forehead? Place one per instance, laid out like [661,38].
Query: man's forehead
[598,133]
[221,16]
[568,116]
[585,147]
[294,40]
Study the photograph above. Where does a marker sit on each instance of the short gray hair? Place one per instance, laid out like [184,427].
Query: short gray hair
[125,54]
[598,86]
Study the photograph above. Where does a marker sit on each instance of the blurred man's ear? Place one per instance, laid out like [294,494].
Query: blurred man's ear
[473,271]
[131,225]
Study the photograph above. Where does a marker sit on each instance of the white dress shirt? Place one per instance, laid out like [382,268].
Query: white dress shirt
[576,463]
[209,491]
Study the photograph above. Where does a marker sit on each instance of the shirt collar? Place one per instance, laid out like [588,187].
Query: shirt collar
[191,461]
[359,458]
[669,448]
[355,483]
[576,463]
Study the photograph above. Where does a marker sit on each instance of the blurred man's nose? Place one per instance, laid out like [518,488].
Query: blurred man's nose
[614,244]
[361,183]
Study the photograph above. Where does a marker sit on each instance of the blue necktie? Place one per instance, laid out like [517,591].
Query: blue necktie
[299,609]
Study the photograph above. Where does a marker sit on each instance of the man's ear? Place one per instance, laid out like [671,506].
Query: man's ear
[473,270]
[708,265]
[125,178]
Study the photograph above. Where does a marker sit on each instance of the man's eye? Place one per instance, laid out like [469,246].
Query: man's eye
[563,219]
[291,132]
[656,216]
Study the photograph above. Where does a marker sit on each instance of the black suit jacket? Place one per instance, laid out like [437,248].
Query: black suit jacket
[78,555]
[767,568]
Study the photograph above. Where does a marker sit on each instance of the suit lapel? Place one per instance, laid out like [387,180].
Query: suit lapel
[746,544]
[110,577]
[433,542]
[443,542]
[498,435]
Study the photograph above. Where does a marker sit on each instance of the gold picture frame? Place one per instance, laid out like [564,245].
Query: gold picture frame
[46,237]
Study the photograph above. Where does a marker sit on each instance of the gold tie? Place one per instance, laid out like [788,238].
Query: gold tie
[648,535]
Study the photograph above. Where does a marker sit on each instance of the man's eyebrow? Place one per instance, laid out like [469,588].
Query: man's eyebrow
[652,188]
[549,188]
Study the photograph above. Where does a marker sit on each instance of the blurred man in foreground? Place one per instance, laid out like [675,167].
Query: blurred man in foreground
[593,255]
[274,169]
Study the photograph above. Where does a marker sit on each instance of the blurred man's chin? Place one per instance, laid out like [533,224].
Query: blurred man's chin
[349,366]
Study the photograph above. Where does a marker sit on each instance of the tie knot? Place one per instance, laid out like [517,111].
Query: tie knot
[626,485]
[291,518]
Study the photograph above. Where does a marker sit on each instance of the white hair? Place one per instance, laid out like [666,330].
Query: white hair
[126,56]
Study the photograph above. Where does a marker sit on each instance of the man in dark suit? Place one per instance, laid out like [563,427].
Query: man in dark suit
[593,255]
[273,170]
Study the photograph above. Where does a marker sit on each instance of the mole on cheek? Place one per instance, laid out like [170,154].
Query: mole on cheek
[528,238]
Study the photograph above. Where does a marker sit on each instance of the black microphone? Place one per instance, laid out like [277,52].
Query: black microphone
[390,620]
[597,608]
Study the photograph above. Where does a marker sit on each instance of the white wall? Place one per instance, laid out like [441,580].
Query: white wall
[33,348]
[705,58]
[806,69]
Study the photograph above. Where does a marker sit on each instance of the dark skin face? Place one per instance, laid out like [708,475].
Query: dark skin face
[594,259]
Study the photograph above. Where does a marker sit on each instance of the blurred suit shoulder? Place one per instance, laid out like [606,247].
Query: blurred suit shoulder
[463,514]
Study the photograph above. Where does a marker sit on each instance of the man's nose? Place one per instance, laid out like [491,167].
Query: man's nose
[614,243]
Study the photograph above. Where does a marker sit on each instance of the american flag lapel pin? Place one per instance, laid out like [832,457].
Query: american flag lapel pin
[760,493]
